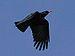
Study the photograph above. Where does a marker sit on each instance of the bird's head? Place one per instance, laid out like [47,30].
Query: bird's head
[45,13]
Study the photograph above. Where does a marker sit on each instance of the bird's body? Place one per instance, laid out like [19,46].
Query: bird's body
[39,26]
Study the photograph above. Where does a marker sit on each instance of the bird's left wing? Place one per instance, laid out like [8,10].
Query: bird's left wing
[41,35]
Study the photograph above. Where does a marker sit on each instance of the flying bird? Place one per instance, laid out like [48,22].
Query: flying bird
[39,26]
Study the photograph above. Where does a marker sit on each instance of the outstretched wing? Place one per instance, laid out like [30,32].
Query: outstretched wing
[23,24]
[41,34]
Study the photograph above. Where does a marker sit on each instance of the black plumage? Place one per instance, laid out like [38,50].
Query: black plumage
[39,26]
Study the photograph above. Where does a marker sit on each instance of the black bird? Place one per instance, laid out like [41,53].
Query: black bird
[39,26]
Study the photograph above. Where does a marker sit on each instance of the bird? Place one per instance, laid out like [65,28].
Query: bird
[39,27]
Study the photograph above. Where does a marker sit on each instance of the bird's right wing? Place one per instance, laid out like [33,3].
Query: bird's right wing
[23,24]
[30,16]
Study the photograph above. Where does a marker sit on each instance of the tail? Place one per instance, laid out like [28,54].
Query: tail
[22,26]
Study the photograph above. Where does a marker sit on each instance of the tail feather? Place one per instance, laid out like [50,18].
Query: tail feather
[22,26]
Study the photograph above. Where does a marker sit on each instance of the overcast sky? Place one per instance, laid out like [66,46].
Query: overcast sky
[62,27]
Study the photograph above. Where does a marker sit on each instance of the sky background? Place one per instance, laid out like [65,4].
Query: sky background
[62,27]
